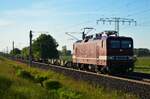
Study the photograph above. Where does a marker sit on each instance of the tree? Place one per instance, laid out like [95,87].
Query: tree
[44,47]
[142,52]
[64,50]
[65,54]
[16,51]
[25,52]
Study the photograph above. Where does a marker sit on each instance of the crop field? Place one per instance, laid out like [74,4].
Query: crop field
[17,81]
[142,64]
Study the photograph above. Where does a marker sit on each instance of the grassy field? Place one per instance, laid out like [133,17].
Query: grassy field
[142,64]
[17,81]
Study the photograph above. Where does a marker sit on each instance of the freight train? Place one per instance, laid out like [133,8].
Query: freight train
[104,52]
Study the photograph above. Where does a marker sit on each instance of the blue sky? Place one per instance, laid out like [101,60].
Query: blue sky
[17,17]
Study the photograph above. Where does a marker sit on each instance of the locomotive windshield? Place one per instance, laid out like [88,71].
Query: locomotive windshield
[125,44]
[115,44]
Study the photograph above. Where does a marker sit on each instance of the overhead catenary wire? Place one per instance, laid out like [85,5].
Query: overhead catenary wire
[117,21]
[73,26]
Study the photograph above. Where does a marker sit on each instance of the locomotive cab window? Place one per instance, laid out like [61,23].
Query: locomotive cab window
[114,44]
[126,44]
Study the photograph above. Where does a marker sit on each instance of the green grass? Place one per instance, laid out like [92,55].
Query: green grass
[142,64]
[25,84]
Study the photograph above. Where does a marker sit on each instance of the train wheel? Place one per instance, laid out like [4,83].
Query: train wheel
[86,67]
[81,66]
[90,67]
[131,69]
[68,64]
[96,69]
[77,66]
[74,65]
[105,70]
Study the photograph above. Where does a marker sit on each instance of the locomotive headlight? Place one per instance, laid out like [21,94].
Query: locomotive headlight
[130,58]
[111,58]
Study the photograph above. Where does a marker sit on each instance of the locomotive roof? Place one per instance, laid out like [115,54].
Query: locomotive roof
[117,37]
[103,38]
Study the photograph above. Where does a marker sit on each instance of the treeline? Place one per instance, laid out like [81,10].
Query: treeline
[141,52]
[43,48]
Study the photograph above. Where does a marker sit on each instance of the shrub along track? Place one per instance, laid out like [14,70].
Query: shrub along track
[138,87]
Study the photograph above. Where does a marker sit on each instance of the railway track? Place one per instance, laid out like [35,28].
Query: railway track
[135,76]
[136,83]
[140,88]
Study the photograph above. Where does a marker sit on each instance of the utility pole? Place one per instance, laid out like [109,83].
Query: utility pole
[117,22]
[13,46]
[7,49]
[30,49]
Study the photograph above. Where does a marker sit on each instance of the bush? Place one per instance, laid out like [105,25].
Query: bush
[52,85]
[4,84]
[66,93]
[24,74]
[40,79]
[16,67]
[2,59]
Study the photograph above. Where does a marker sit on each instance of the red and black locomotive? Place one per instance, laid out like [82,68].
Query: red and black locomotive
[106,52]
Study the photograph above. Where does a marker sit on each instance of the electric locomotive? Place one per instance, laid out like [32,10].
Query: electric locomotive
[105,52]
